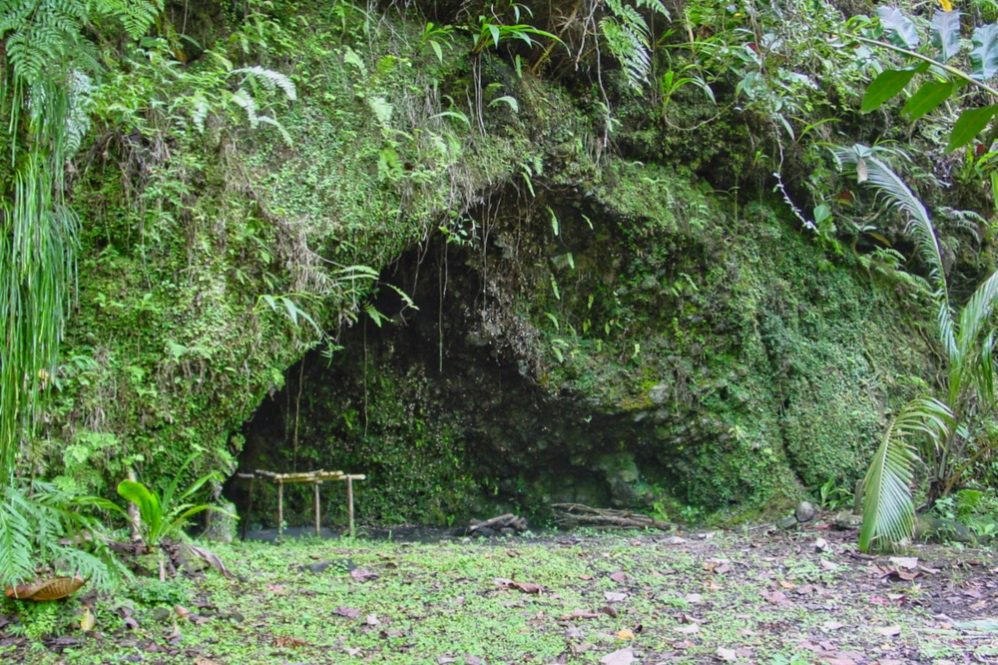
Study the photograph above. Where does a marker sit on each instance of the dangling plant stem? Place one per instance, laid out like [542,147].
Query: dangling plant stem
[37,241]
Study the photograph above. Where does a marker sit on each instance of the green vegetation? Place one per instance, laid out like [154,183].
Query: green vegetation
[579,599]
[494,255]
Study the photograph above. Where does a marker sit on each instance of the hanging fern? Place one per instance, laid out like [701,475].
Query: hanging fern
[136,16]
[628,37]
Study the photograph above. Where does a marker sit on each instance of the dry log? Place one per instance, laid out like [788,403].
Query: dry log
[504,521]
[576,515]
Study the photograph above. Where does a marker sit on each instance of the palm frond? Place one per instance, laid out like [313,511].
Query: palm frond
[893,189]
[888,508]
[977,313]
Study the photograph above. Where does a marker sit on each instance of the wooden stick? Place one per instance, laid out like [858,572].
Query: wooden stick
[280,508]
[350,504]
[249,506]
[318,527]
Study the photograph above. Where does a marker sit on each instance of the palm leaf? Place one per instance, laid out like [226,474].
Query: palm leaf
[976,314]
[888,508]
[892,188]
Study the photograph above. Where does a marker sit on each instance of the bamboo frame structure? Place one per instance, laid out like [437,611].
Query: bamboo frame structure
[316,478]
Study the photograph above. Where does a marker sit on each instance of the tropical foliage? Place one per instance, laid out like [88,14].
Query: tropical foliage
[945,80]
[948,431]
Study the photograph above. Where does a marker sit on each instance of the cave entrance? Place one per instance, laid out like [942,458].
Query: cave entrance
[437,397]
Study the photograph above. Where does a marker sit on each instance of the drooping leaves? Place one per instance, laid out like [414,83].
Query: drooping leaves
[970,123]
[928,98]
[946,33]
[888,84]
[888,509]
[984,56]
[900,30]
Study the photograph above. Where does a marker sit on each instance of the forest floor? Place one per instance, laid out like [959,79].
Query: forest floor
[750,596]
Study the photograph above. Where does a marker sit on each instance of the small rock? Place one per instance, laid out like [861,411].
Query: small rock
[161,614]
[820,545]
[805,512]
[846,520]
[787,522]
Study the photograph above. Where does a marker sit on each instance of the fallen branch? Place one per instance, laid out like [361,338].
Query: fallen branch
[577,515]
[497,524]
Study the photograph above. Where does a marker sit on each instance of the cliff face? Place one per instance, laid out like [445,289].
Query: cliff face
[475,311]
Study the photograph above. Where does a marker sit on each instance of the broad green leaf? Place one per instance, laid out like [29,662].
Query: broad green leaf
[148,503]
[984,56]
[899,28]
[946,33]
[970,123]
[886,85]
[927,99]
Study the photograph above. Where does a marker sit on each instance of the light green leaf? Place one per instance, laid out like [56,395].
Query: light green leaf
[508,101]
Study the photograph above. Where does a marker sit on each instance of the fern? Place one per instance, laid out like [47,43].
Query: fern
[271,80]
[136,16]
[628,37]
[38,523]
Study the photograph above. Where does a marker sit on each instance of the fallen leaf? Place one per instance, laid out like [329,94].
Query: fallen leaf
[907,562]
[776,597]
[726,655]
[372,620]
[688,629]
[525,587]
[277,589]
[348,612]
[619,577]
[693,598]
[623,656]
[288,642]
[624,634]
[578,614]
[363,575]
[888,631]
[201,660]
[614,596]
[87,621]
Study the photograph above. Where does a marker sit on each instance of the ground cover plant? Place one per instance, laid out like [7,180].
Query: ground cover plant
[760,595]
[697,259]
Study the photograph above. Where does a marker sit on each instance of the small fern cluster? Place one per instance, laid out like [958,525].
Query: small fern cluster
[628,36]
[38,526]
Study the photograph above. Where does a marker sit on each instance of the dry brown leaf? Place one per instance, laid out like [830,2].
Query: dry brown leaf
[53,588]
[624,634]
[623,656]
[725,655]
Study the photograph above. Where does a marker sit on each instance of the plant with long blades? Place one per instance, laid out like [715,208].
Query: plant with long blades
[949,424]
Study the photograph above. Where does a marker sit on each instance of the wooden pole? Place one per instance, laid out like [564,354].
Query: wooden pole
[249,507]
[350,504]
[280,508]
[318,522]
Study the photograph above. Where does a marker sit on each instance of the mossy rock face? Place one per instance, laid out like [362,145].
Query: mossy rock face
[625,345]
[610,332]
